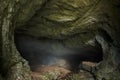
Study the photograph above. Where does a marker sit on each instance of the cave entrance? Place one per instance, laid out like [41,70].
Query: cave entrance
[47,55]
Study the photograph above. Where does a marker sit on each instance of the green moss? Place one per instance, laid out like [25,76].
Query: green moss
[59,19]
[27,10]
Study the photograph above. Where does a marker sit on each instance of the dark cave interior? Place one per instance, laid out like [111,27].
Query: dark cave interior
[49,52]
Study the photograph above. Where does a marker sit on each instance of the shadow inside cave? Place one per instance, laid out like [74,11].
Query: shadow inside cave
[44,52]
[48,52]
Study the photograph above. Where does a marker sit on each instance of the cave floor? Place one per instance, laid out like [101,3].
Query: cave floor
[54,72]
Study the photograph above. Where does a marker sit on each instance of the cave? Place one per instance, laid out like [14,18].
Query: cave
[78,37]
[42,52]
[36,50]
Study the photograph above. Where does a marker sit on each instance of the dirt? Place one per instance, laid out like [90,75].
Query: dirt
[54,72]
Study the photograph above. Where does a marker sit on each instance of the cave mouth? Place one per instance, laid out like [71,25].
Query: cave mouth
[44,52]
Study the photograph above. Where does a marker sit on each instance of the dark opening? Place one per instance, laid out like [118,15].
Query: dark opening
[49,52]
[105,35]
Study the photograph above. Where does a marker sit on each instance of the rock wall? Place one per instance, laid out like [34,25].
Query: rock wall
[14,67]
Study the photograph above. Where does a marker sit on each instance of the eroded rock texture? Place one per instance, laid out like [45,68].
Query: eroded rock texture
[75,23]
